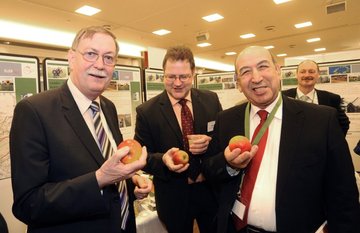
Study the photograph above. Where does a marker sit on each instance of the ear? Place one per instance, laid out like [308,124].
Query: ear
[278,70]
[71,57]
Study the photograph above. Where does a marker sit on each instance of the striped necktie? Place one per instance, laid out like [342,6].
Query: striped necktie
[107,151]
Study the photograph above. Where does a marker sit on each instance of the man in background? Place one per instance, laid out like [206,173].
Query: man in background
[298,173]
[60,141]
[167,123]
[308,74]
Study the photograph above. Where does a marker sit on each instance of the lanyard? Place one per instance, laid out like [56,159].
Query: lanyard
[264,126]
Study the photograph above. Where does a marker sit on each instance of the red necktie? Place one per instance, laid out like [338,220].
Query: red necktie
[187,123]
[248,184]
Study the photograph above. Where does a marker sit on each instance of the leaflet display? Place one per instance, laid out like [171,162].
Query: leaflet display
[224,84]
[20,79]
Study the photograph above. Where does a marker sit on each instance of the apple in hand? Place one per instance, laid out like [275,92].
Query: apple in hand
[134,153]
[241,142]
[180,157]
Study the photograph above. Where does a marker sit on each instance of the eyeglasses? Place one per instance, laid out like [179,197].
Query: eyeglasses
[181,77]
[91,56]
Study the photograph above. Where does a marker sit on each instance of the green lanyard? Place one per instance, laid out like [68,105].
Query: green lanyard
[264,126]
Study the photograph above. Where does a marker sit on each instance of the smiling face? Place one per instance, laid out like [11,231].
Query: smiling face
[307,74]
[258,76]
[177,88]
[92,78]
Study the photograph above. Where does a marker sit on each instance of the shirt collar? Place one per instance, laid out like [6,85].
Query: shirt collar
[81,100]
[310,94]
[174,101]
[254,109]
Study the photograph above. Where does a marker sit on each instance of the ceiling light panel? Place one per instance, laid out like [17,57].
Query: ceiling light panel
[230,53]
[88,10]
[161,32]
[313,40]
[302,25]
[269,47]
[203,44]
[213,17]
[282,55]
[247,36]
[277,2]
[319,49]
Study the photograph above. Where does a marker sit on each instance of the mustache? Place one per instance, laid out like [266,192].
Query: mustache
[100,73]
[307,78]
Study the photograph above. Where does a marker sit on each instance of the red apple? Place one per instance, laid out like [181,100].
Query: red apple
[241,142]
[134,153]
[180,157]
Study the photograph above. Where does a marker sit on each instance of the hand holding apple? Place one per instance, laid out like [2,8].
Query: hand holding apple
[240,142]
[180,157]
[134,152]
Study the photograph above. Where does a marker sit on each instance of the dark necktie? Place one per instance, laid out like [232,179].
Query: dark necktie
[107,151]
[248,184]
[187,125]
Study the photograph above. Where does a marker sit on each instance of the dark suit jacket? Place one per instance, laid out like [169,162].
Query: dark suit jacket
[315,178]
[328,99]
[53,162]
[157,128]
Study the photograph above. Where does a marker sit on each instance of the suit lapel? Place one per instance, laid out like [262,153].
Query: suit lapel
[293,119]
[169,115]
[198,111]
[77,122]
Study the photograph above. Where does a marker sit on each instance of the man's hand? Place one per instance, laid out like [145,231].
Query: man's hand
[236,159]
[168,161]
[143,186]
[198,143]
[113,170]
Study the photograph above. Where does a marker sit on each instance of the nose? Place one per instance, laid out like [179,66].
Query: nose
[177,81]
[256,76]
[99,63]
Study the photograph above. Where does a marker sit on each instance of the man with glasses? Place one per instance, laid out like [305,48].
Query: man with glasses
[308,74]
[181,191]
[59,142]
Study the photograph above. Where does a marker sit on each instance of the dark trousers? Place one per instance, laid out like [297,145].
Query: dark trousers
[202,207]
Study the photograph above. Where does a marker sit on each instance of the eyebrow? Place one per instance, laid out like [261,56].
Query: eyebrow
[248,67]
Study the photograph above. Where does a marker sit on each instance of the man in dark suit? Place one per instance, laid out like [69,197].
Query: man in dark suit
[60,178]
[305,175]
[182,194]
[307,74]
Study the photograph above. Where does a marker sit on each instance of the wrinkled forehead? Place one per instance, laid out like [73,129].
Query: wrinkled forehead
[252,57]
[308,65]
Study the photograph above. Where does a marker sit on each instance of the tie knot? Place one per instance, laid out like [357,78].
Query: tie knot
[182,102]
[95,107]
[305,98]
[262,114]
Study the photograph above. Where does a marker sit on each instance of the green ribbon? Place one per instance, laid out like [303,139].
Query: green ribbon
[264,126]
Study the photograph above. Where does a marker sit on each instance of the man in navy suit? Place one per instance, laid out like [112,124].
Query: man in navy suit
[60,178]
[181,191]
[305,176]
[307,74]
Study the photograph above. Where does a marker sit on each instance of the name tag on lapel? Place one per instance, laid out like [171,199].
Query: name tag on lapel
[210,126]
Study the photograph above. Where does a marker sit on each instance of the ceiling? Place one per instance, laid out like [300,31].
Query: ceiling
[133,21]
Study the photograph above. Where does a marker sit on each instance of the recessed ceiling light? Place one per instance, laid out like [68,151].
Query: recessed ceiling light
[246,36]
[204,44]
[319,49]
[230,53]
[302,25]
[161,32]
[87,10]
[269,47]
[313,40]
[280,1]
[282,55]
[213,17]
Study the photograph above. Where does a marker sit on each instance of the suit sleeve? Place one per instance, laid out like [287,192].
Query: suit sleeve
[342,117]
[143,134]
[341,193]
[37,199]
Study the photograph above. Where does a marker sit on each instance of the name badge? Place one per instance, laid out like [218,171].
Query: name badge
[210,126]
[239,209]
